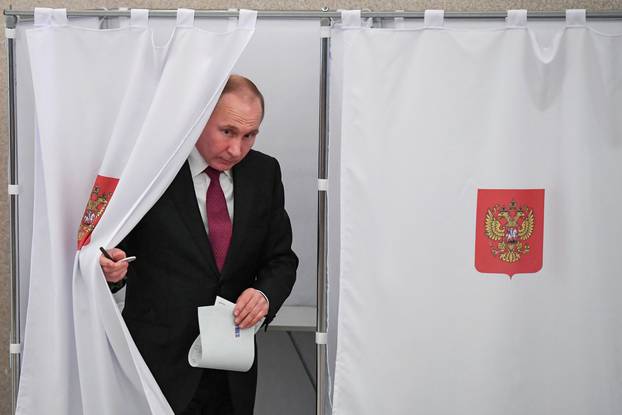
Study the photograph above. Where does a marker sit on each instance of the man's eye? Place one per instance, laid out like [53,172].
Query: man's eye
[226,131]
[250,136]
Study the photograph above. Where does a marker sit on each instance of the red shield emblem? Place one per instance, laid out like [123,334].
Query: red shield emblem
[509,231]
[96,205]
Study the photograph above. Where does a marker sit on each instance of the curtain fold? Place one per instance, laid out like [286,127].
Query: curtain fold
[117,116]
[428,117]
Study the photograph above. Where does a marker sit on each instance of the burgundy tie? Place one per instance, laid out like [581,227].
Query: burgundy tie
[218,220]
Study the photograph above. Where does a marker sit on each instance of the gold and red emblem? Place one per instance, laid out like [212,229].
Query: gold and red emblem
[509,231]
[98,201]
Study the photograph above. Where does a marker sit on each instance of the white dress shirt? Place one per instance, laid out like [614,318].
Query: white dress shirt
[201,181]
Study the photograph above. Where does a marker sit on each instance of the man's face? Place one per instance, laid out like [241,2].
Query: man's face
[231,130]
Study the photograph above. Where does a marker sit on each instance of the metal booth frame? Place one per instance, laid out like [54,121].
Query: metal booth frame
[326,19]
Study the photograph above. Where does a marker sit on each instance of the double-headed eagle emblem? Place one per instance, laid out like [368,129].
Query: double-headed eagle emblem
[101,194]
[95,207]
[508,229]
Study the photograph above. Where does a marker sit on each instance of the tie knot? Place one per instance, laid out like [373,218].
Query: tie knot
[212,173]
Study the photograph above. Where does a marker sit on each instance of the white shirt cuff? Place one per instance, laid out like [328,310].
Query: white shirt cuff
[264,296]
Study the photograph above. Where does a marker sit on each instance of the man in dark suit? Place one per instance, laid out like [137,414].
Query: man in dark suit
[219,229]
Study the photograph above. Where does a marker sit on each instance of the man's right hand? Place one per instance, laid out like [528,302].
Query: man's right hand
[114,271]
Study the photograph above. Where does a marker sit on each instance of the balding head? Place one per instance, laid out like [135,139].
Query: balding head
[230,131]
[245,89]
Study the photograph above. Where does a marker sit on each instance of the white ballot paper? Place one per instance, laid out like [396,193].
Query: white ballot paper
[221,344]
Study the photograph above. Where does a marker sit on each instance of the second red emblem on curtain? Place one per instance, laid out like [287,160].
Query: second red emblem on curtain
[509,231]
[96,205]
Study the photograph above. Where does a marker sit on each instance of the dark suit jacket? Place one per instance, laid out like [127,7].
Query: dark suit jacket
[175,273]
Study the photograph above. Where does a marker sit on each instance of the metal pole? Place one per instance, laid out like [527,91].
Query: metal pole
[15,337]
[302,14]
[321,324]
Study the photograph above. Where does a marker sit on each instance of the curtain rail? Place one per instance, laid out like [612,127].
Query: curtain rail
[310,14]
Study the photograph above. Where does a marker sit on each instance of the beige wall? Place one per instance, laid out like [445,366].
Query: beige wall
[458,5]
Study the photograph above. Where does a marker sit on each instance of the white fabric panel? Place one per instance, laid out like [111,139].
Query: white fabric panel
[283,59]
[25,152]
[25,115]
[334,159]
[109,103]
[289,130]
[428,117]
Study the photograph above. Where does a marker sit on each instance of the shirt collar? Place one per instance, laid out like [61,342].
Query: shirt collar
[198,164]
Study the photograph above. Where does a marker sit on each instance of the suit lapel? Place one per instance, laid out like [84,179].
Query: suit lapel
[242,207]
[185,199]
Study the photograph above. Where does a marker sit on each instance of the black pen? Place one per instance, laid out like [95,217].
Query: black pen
[106,254]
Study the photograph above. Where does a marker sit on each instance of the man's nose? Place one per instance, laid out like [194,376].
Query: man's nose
[235,147]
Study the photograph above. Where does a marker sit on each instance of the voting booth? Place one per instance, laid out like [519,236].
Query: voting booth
[409,142]
[115,78]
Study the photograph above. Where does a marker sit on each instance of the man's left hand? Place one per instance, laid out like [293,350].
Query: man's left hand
[250,307]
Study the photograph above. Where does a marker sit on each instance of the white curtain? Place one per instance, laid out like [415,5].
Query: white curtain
[428,117]
[117,115]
